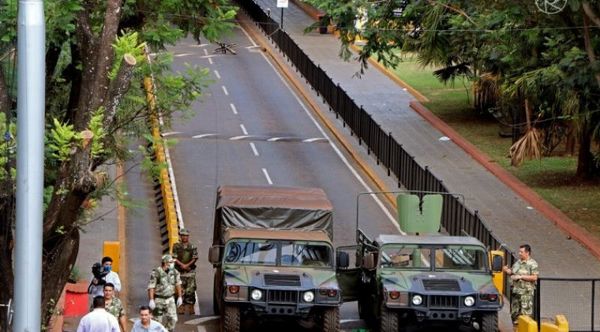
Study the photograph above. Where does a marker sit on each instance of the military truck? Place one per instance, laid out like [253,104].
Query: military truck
[424,276]
[273,256]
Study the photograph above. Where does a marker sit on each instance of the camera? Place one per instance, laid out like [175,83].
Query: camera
[99,273]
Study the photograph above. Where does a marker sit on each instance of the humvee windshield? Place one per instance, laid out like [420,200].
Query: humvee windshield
[278,253]
[426,257]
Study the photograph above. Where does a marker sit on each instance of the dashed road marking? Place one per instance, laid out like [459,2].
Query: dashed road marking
[182,55]
[225,90]
[205,52]
[217,74]
[267,176]
[233,109]
[254,150]
[210,61]
[170,133]
[244,129]
[204,135]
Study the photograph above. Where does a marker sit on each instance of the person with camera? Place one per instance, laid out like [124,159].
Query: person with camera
[102,273]
[186,255]
[165,283]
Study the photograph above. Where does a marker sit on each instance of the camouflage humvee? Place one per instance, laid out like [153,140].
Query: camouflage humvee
[273,257]
[411,279]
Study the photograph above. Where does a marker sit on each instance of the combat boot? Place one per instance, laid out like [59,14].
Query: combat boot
[181,309]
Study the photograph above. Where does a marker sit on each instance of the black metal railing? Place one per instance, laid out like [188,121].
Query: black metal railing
[456,217]
[572,297]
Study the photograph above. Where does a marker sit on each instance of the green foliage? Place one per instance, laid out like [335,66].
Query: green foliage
[62,140]
[96,128]
[127,43]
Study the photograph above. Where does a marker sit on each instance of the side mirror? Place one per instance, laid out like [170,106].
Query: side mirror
[214,255]
[369,261]
[497,261]
[343,260]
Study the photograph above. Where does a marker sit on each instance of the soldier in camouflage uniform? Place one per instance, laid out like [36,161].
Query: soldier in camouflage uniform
[165,283]
[186,255]
[113,305]
[524,274]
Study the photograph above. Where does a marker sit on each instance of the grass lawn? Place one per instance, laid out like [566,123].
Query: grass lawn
[552,177]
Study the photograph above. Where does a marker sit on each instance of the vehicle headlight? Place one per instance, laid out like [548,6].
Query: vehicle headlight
[308,296]
[256,295]
[469,301]
[417,300]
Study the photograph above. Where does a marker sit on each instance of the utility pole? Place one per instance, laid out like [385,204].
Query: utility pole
[31,50]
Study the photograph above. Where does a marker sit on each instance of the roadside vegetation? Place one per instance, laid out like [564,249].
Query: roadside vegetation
[552,177]
[96,109]
[534,68]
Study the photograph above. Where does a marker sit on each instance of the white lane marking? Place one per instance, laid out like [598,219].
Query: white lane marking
[244,129]
[170,133]
[203,135]
[210,61]
[225,90]
[248,36]
[316,139]
[217,74]
[205,52]
[197,45]
[335,148]
[254,150]
[267,176]
[237,138]
[233,109]
[198,321]
[182,54]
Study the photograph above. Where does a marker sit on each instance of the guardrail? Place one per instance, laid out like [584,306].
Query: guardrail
[456,217]
[166,191]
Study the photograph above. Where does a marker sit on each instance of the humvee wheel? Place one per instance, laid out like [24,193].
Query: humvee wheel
[231,318]
[489,322]
[331,319]
[389,320]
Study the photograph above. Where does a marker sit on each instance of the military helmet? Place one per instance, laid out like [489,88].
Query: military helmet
[167,258]
[184,231]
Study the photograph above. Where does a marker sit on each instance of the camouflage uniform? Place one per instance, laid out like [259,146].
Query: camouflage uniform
[522,294]
[164,283]
[186,253]
[115,308]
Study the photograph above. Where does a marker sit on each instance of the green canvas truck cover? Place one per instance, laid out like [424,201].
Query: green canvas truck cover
[272,208]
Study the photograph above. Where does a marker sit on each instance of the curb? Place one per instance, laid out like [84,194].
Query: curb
[548,210]
[311,11]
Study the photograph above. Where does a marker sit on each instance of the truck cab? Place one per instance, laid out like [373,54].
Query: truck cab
[274,257]
[415,279]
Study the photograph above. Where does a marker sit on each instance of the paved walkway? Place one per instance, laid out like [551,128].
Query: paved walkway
[505,213]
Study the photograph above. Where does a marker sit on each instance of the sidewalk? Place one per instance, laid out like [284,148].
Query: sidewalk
[505,213]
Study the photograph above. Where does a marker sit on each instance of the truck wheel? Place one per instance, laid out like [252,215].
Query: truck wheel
[231,318]
[389,320]
[489,322]
[331,319]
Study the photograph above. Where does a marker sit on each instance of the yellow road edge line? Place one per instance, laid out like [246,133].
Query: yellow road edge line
[122,236]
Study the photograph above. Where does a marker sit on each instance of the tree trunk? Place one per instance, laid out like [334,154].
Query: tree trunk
[5,102]
[7,221]
[58,261]
[586,165]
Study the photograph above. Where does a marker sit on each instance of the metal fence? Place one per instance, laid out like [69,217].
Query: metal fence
[572,297]
[388,152]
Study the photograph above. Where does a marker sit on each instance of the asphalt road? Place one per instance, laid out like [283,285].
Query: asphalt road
[250,128]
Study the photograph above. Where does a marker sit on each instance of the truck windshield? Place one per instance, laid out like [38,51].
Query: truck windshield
[265,252]
[405,257]
[305,254]
[251,252]
[469,258]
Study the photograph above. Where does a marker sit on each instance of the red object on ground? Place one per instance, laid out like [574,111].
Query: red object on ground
[76,300]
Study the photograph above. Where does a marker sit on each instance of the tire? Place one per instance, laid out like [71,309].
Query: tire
[389,320]
[489,322]
[231,318]
[331,319]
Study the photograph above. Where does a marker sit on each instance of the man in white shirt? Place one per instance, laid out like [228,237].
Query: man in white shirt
[99,320]
[97,285]
[146,324]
